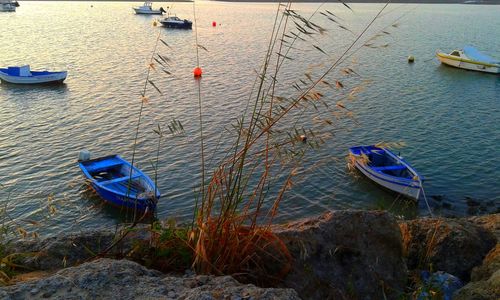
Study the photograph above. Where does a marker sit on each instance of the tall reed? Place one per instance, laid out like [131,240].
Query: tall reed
[241,196]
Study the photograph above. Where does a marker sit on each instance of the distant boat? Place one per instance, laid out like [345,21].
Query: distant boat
[147,9]
[8,5]
[23,75]
[470,59]
[387,169]
[111,178]
[175,22]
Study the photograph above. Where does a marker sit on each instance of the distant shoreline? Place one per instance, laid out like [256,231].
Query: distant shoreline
[484,2]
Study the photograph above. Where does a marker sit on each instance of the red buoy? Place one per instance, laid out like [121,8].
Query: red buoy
[214,23]
[197,72]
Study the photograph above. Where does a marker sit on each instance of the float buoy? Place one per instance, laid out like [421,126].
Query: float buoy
[214,23]
[411,59]
[197,72]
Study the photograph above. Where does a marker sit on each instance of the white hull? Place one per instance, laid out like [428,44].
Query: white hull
[7,7]
[57,77]
[468,65]
[147,11]
[410,189]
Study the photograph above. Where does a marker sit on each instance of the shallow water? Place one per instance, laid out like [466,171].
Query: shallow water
[448,118]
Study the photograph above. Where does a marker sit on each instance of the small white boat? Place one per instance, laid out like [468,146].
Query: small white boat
[23,75]
[469,58]
[8,5]
[387,169]
[147,9]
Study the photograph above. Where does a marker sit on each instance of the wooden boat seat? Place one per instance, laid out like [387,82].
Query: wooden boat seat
[122,179]
[389,168]
[102,165]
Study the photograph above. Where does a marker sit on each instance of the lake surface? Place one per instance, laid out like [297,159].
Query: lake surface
[448,118]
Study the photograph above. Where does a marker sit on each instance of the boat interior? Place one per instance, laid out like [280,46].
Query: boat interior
[115,175]
[380,161]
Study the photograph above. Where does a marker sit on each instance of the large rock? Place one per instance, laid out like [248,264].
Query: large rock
[66,250]
[485,279]
[490,223]
[345,255]
[454,246]
[123,279]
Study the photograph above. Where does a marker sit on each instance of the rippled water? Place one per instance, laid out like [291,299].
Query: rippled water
[448,118]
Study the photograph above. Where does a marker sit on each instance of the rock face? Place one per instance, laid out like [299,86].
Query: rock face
[67,250]
[123,279]
[485,280]
[345,255]
[454,246]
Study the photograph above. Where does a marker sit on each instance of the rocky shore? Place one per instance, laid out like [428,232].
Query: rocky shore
[338,255]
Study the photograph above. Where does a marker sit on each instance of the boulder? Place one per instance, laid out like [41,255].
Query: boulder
[485,279]
[124,279]
[345,255]
[454,246]
[490,223]
[69,249]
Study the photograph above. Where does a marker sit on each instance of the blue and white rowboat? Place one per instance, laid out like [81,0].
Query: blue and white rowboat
[23,75]
[110,178]
[387,169]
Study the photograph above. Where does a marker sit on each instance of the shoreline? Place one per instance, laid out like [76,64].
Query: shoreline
[484,2]
[323,248]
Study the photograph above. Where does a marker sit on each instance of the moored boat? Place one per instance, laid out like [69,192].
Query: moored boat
[8,5]
[469,58]
[147,9]
[387,169]
[119,183]
[176,22]
[23,75]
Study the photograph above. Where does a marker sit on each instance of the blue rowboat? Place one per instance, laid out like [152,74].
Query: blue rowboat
[23,75]
[387,169]
[111,178]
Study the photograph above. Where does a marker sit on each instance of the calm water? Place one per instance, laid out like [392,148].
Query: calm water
[448,118]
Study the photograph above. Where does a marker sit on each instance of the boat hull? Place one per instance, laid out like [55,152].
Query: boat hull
[177,25]
[468,64]
[115,199]
[394,174]
[408,188]
[120,184]
[56,77]
[7,8]
[147,12]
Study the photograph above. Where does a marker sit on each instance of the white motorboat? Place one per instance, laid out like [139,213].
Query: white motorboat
[147,9]
[8,5]
[469,58]
[23,75]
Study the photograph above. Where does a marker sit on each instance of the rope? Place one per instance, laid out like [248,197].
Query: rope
[425,198]
[199,105]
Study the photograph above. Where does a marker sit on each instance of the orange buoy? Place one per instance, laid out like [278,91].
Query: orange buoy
[214,23]
[197,72]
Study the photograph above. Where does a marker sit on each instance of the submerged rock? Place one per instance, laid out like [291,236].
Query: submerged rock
[345,255]
[123,279]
